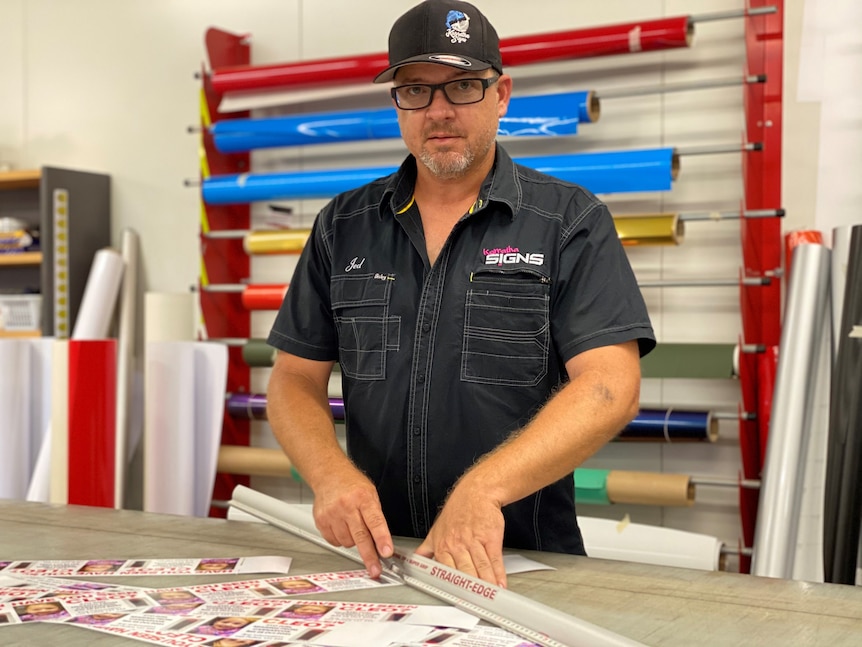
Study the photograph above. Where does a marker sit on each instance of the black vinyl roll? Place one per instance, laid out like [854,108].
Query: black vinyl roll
[843,491]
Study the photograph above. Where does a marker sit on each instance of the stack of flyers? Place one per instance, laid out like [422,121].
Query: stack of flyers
[330,623]
[173,566]
[253,613]
[23,588]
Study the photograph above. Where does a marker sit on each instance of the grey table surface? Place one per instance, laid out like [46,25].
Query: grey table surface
[658,606]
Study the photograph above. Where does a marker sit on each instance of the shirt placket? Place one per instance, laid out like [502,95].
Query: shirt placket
[419,401]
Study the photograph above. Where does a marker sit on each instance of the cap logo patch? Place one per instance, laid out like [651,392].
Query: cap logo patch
[457,24]
[450,59]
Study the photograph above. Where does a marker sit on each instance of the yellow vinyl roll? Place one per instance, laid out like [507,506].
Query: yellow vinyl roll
[650,229]
[254,461]
[650,488]
[279,241]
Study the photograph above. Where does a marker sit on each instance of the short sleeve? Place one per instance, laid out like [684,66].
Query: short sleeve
[597,301]
[304,324]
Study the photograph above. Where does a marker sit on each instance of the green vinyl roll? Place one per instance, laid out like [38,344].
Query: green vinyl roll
[689,361]
[591,486]
[256,352]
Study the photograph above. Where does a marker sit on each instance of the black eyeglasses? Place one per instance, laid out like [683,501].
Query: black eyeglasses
[458,92]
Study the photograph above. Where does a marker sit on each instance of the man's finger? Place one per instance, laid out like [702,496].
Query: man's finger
[499,568]
[343,535]
[489,564]
[367,550]
[464,562]
[379,529]
[426,548]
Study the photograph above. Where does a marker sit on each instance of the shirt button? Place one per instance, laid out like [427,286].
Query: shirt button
[420,379]
[416,431]
[426,327]
[417,479]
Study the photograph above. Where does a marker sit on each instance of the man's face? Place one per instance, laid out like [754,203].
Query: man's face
[450,140]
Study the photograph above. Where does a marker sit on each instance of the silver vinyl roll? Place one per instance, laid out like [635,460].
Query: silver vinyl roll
[781,491]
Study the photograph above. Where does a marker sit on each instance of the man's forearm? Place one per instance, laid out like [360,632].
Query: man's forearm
[574,424]
[301,420]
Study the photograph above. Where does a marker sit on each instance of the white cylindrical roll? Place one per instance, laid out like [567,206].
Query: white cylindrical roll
[41,362]
[100,296]
[14,418]
[184,411]
[210,385]
[632,542]
[334,389]
[58,442]
[781,490]
[169,316]
[125,360]
[169,417]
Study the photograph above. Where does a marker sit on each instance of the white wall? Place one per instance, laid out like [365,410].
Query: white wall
[108,86]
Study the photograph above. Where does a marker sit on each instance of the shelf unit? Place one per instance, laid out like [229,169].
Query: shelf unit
[72,211]
[760,241]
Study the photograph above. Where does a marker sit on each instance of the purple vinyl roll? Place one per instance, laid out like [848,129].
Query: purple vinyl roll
[252,406]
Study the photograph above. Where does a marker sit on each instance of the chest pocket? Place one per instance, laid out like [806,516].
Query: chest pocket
[506,328]
[366,330]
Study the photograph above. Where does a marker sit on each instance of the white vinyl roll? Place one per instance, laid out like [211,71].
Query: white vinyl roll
[183,412]
[41,361]
[15,417]
[210,384]
[100,296]
[58,441]
[126,361]
[169,419]
[334,389]
[632,542]
[169,316]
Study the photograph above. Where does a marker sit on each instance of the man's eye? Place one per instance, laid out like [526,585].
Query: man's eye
[414,90]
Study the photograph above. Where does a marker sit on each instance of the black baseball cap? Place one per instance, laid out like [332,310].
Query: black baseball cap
[448,32]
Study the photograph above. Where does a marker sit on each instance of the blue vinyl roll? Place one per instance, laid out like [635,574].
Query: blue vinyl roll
[540,115]
[608,172]
[670,426]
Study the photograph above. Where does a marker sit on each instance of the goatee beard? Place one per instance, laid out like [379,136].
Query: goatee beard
[447,165]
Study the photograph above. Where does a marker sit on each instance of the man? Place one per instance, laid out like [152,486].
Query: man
[485,317]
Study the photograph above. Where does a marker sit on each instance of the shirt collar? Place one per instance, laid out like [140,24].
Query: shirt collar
[502,186]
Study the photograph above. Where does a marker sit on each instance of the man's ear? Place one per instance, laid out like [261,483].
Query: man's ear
[504,94]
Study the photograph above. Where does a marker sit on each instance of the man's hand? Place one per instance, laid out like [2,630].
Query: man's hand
[468,535]
[347,512]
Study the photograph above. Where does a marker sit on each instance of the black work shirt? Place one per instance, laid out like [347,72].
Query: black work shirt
[442,362]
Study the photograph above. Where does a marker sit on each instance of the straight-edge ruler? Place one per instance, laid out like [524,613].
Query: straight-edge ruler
[522,616]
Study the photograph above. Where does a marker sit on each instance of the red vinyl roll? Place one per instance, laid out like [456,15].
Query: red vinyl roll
[607,40]
[264,297]
[626,38]
[795,238]
[92,406]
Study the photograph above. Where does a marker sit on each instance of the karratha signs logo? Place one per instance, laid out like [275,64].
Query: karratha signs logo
[511,256]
